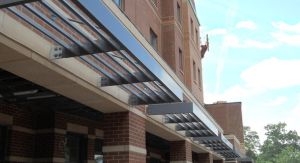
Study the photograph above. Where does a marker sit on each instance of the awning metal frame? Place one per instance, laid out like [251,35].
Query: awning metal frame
[112,51]
[190,121]
[121,60]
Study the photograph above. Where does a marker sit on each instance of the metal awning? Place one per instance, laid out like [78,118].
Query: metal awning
[192,122]
[88,31]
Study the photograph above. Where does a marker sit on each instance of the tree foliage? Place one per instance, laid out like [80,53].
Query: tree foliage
[252,143]
[288,155]
[280,146]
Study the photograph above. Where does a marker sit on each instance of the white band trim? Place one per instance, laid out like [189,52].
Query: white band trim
[124,148]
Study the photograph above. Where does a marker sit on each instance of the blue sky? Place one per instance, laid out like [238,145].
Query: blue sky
[253,58]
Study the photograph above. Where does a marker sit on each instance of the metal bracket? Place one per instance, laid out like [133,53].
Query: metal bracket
[56,52]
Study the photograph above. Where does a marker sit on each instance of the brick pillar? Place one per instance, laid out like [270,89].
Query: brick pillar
[44,139]
[180,151]
[205,158]
[124,138]
[218,161]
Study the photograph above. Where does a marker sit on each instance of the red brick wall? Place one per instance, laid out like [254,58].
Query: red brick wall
[203,158]
[124,128]
[229,117]
[180,151]
[21,144]
[28,142]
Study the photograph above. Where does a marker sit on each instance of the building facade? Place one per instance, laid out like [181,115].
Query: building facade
[114,81]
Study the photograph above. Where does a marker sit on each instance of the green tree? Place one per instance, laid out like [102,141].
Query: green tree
[288,155]
[278,140]
[252,143]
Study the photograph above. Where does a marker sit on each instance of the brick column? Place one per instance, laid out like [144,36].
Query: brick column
[124,138]
[205,158]
[180,152]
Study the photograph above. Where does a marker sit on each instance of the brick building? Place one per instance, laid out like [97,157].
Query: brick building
[108,80]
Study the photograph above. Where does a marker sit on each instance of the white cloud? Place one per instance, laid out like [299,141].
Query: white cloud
[282,26]
[276,102]
[246,25]
[259,44]
[217,31]
[292,118]
[269,74]
[272,73]
[286,33]
[285,38]
[233,41]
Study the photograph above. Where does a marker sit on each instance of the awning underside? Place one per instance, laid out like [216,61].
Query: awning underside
[185,118]
[75,31]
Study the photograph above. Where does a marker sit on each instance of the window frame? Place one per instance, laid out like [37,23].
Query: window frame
[194,71]
[181,59]
[153,39]
[199,78]
[4,142]
[98,153]
[192,27]
[82,148]
[179,17]
[120,4]
[197,36]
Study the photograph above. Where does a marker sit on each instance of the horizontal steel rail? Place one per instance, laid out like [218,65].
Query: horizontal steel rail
[103,17]
[8,3]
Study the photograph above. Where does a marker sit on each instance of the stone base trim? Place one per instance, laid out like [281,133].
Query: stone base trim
[41,131]
[48,131]
[124,148]
[77,128]
[51,130]
[155,155]
[23,129]
[28,159]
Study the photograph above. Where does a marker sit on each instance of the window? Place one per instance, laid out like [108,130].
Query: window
[153,39]
[192,28]
[197,37]
[75,148]
[119,3]
[98,151]
[178,13]
[199,78]
[194,70]
[180,60]
[3,142]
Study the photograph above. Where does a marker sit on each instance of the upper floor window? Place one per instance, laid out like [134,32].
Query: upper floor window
[3,142]
[119,3]
[194,70]
[192,28]
[199,78]
[75,148]
[153,39]
[178,13]
[197,37]
[180,60]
